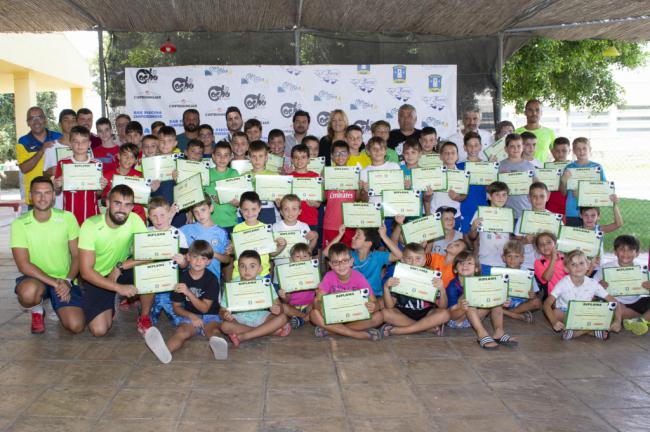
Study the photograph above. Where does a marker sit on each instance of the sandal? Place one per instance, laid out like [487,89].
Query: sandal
[567,334]
[283,331]
[385,329]
[638,326]
[375,335]
[234,339]
[528,317]
[320,332]
[486,340]
[507,340]
[603,335]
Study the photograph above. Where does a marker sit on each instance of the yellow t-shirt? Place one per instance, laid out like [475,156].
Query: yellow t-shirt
[266,265]
[362,159]
[28,146]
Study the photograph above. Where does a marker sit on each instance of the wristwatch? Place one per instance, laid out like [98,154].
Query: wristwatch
[69,281]
[120,266]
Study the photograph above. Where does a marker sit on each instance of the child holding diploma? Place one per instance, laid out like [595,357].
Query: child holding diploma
[590,220]
[520,308]
[549,267]
[149,148]
[582,151]
[411,152]
[259,155]
[557,201]
[341,278]
[466,265]
[490,245]
[127,158]
[290,209]
[376,149]
[577,286]
[333,218]
[196,304]
[450,198]
[407,315]
[516,163]
[636,309]
[538,195]
[308,208]
[366,258]
[297,305]
[82,203]
[167,146]
[381,129]
[205,229]
[224,214]
[243,326]
[477,194]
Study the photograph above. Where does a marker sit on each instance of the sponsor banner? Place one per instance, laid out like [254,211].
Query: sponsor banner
[272,94]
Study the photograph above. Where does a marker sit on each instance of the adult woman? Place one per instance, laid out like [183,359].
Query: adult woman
[336,125]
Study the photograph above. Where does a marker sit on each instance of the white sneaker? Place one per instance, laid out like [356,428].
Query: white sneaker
[157,345]
[219,348]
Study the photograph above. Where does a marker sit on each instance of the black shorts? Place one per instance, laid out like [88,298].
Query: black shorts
[126,278]
[414,314]
[640,306]
[96,300]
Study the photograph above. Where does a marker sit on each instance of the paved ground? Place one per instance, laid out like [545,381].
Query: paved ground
[56,382]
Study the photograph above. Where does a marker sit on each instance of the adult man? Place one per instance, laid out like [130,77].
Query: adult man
[301,121]
[545,136]
[191,122]
[85,119]
[406,118]
[120,124]
[234,121]
[44,246]
[104,244]
[471,123]
[31,147]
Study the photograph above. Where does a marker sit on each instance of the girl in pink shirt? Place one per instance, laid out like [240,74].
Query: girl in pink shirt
[549,268]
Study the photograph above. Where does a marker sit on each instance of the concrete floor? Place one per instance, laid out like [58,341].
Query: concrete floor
[57,382]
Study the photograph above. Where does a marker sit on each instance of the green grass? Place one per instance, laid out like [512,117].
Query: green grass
[636,221]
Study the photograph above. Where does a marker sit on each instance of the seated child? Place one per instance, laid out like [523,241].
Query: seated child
[243,326]
[343,278]
[577,286]
[196,305]
[549,268]
[407,315]
[297,305]
[466,265]
[520,308]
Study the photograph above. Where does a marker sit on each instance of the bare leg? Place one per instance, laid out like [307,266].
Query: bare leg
[212,329]
[146,300]
[291,311]
[30,292]
[270,326]
[434,318]
[516,313]
[340,329]
[560,316]
[183,332]
[101,324]
[475,317]
[72,318]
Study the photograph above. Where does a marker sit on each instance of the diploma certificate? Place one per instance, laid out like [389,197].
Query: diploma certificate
[274,163]
[435,178]
[430,160]
[586,240]
[486,291]
[498,150]
[595,193]
[308,188]
[416,282]
[482,173]
[270,187]
[582,174]
[520,282]
[292,237]
[381,180]
[159,167]
[242,166]
[586,315]
[299,276]
[316,165]
[458,181]
[534,222]
[233,188]
[518,181]
[625,281]
[423,229]
[188,168]
[550,177]
[362,215]
[405,202]
[259,239]
[248,295]
[341,178]
[188,192]
[496,219]
[346,306]
[141,187]
[82,176]
[156,245]
[156,277]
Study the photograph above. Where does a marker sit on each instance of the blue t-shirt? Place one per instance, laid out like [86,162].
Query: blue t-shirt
[371,267]
[476,196]
[216,236]
[571,199]
[454,292]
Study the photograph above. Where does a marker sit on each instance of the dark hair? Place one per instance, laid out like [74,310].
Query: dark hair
[167,131]
[121,189]
[251,123]
[103,121]
[464,256]
[627,240]
[40,179]
[82,111]
[584,209]
[300,247]
[471,135]
[206,126]
[156,124]
[232,109]
[542,234]
[538,185]
[414,248]
[301,113]
[561,141]
[80,130]
[428,131]
[447,144]
[253,254]
[123,115]
[339,249]
[275,133]
[134,126]
[191,111]
[502,124]
[240,135]
[157,202]
[497,186]
[206,201]
[447,209]
[300,148]
[257,145]
[413,143]
[530,101]
[528,135]
[372,236]
[194,143]
[353,127]
[376,141]
[201,248]
[512,137]
[340,144]
[222,145]
[250,196]
[130,148]
[150,136]
[309,138]
[66,112]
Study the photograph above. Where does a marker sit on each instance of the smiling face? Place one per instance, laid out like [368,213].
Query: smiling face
[581,150]
[276,145]
[300,125]
[85,120]
[626,255]
[104,131]
[119,208]
[42,195]
[239,147]
[338,123]
[126,160]
[377,153]
[67,122]
[249,211]
[498,199]
[300,160]
[473,148]
[413,258]
[514,149]
[36,121]
[590,218]
[533,112]
[234,121]
[160,217]
[513,260]
[471,121]
[290,211]
[313,147]
[538,199]
[411,156]
[560,152]
[221,157]
[150,147]
[341,264]
[467,267]
[166,144]
[577,266]
[254,133]
[449,156]
[545,245]
[340,156]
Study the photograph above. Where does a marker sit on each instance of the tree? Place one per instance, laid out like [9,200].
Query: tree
[45,100]
[568,74]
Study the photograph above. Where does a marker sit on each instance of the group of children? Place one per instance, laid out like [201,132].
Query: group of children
[363,258]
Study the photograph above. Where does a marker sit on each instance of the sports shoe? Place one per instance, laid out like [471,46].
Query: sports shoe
[38,323]
[157,345]
[144,324]
[296,322]
[638,326]
[219,347]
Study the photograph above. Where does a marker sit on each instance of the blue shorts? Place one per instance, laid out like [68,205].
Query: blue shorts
[516,301]
[75,294]
[486,269]
[206,319]
[162,302]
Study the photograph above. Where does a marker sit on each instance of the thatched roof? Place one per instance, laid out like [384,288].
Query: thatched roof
[449,18]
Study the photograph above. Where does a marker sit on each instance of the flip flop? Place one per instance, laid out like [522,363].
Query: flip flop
[155,342]
[320,332]
[219,347]
[637,326]
[283,331]
[528,317]
[375,335]
[385,330]
[603,335]
[486,340]
[567,334]
[507,340]
[234,339]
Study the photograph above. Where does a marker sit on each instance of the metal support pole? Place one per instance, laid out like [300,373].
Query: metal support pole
[102,87]
[296,47]
[499,95]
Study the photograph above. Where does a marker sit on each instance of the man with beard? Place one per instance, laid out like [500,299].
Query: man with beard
[104,244]
[545,136]
[191,122]
[44,246]
[85,119]
[406,118]
[301,120]
[234,121]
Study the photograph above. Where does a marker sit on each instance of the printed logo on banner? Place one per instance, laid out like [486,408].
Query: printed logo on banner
[183,103]
[433,122]
[217,112]
[363,69]
[216,70]
[402,94]
[147,95]
[287,87]
[217,93]
[251,78]
[330,76]
[144,76]
[364,125]
[147,115]
[392,113]
[323,96]
[435,83]
[435,102]
[323,118]
[360,104]
[288,109]
[179,85]
[253,101]
[399,74]
[293,71]
[365,84]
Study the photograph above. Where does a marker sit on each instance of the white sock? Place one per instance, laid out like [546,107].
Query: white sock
[38,308]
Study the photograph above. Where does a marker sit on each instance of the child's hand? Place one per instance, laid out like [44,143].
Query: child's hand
[399,219]
[382,231]
[276,309]
[371,306]
[452,194]
[476,223]
[181,288]
[614,198]
[605,284]
[566,176]
[175,174]
[342,229]
[281,243]
[227,316]
[197,322]
[127,290]
[464,305]
[407,184]
[437,282]
[311,235]
[530,238]
[615,327]
[234,202]
[363,186]
[282,294]
[155,184]
[493,158]
[391,282]
[228,250]
[646,285]
[507,303]
[531,295]
[558,326]
[58,183]
[103,182]
[180,259]
[428,194]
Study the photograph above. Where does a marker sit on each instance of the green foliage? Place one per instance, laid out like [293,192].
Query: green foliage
[568,73]
[46,100]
